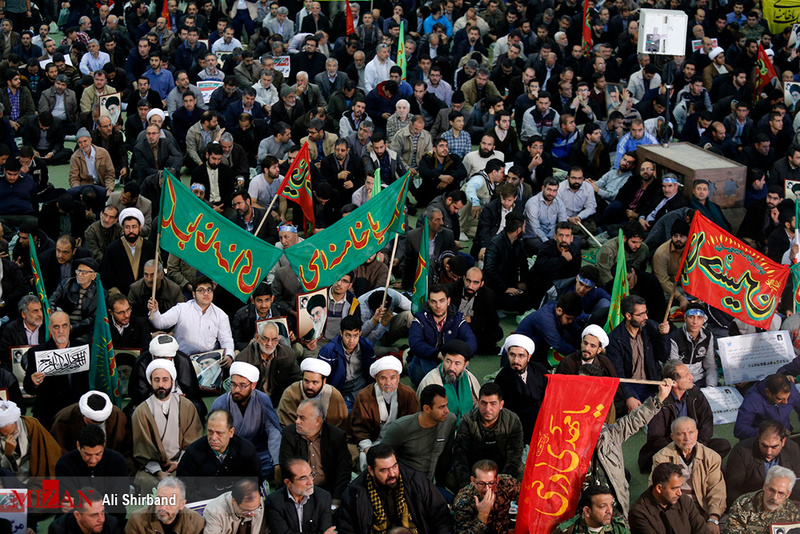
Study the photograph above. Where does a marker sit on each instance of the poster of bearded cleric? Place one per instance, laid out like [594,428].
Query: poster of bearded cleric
[312,313]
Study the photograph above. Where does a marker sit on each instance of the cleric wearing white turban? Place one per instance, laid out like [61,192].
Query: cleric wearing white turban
[247,371]
[315,365]
[28,450]
[161,363]
[95,406]
[128,213]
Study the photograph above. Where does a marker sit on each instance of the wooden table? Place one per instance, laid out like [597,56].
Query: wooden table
[727,178]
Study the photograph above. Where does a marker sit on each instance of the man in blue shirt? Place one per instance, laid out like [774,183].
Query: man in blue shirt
[161,81]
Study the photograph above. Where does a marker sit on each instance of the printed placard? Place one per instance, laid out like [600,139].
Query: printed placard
[63,361]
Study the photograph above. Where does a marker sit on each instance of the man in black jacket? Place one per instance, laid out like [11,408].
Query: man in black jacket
[324,446]
[26,330]
[506,266]
[684,394]
[411,499]
[127,331]
[250,219]
[522,382]
[425,103]
[637,337]
[343,170]
[281,507]
[745,471]
[476,302]
[557,259]
[201,461]
[762,217]
[493,216]
[442,240]
[59,263]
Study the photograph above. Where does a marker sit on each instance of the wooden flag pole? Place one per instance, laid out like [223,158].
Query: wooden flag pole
[389,276]
[643,382]
[598,243]
[158,261]
[266,214]
[669,307]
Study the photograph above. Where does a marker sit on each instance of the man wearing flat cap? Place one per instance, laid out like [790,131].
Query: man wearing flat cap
[52,392]
[158,441]
[314,385]
[124,259]
[91,165]
[29,451]
[77,296]
[165,346]
[461,386]
[93,408]
[379,404]
[253,416]
[522,381]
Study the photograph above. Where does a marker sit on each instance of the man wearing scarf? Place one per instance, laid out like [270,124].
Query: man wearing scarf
[380,404]
[158,441]
[461,386]
[388,495]
[124,259]
[254,418]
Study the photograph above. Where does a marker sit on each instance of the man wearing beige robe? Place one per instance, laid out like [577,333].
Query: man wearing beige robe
[313,386]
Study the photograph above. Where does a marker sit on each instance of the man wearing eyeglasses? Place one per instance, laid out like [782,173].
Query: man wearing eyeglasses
[199,325]
[216,461]
[77,296]
[302,507]
[253,417]
[484,503]
[240,510]
[127,331]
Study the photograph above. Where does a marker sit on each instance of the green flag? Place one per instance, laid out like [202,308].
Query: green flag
[620,290]
[796,286]
[209,242]
[420,292]
[376,186]
[401,49]
[103,374]
[39,284]
[325,257]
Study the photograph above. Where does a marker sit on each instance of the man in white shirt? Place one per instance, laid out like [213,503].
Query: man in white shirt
[264,187]
[199,325]
[227,43]
[377,70]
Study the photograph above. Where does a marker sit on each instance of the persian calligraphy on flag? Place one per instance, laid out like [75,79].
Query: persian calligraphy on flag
[420,293]
[209,242]
[729,275]
[765,73]
[562,445]
[322,259]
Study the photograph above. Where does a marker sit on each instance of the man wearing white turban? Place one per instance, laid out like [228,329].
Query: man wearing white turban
[254,417]
[158,442]
[28,450]
[522,382]
[314,385]
[93,408]
[378,404]
[124,259]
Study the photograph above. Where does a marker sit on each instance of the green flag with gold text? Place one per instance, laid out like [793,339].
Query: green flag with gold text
[620,289]
[325,257]
[212,244]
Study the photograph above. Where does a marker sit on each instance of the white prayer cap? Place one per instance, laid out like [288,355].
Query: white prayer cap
[387,363]
[163,346]
[598,332]
[9,413]
[96,415]
[315,365]
[518,340]
[715,52]
[245,370]
[155,111]
[161,363]
[136,213]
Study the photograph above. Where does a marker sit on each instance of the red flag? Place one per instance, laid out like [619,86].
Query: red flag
[587,29]
[296,185]
[765,72]
[719,269]
[564,438]
[165,14]
[351,27]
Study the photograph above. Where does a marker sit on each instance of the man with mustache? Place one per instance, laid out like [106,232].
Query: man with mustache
[170,514]
[595,511]
[314,385]
[522,382]
[124,259]
[461,386]
[768,505]
[253,416]
[217,460]
[667,261]
[159,443]
[594,341]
